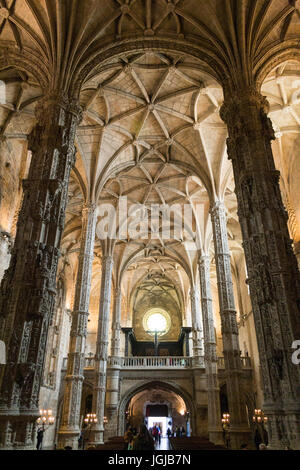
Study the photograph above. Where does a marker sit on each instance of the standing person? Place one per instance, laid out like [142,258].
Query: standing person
[143,441]
[80,441]
[40,436]
[128,438]
[257,439]
[159,435]
[265,436]
[155,433]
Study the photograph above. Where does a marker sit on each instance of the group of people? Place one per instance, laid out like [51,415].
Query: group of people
[147,439]
[156,433]
[142,440]
[177,432]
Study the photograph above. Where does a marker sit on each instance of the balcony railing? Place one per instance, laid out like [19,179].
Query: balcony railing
[246,362]
[158,362]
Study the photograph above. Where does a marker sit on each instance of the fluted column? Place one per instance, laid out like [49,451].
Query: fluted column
[231,348]
[197,331]
[210,353]
[102,349]
[274,279]
[28,290]
[70,421]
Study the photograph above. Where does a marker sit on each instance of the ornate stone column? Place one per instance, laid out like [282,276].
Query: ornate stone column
[239,428]
[70,421]
[116,324]
[197,332]
[210,354]
[114,366]
[272,267]
[102,350]
[28,288]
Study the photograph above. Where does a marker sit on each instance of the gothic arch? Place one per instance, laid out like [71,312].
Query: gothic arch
[277,55]
[28,62]
[178,390]
[142,45]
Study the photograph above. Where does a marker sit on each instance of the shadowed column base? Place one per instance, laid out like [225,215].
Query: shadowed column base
[97,437]
[18,431]
[68,438]
[216,436]
[239,436]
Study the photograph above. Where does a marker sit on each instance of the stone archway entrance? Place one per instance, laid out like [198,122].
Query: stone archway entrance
[142,400]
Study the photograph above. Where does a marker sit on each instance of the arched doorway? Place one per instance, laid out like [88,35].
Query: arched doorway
[143,404]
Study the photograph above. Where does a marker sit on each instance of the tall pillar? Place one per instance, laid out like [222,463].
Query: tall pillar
[116,324]
[197,332]
[27,294]
[274,279]
[114,366]
[70,422]
[102,350]
[210,354]
[239,428]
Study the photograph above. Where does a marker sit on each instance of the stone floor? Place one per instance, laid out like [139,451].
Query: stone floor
[164,444]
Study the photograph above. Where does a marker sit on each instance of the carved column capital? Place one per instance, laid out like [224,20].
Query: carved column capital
[242,99]
[60,100]
[88,208]
[118,291]
[216,208]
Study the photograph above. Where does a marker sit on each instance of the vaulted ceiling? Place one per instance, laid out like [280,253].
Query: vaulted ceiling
[149,75]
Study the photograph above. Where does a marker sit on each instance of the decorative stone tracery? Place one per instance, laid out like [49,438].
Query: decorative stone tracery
[273,275]
[238,419]
[210,353]
[101,357]
[70,424]
[28,287]
[198,347]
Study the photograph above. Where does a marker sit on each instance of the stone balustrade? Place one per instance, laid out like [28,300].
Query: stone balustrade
[157,362]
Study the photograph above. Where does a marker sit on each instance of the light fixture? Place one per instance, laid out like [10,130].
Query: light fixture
[45,418]
[226,427]
[259,417]
[91,418]
[226,419]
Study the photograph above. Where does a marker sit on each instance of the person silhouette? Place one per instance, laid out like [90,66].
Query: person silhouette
[40,436]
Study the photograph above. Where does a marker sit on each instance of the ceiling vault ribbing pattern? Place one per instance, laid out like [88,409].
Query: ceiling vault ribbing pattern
[149,74]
